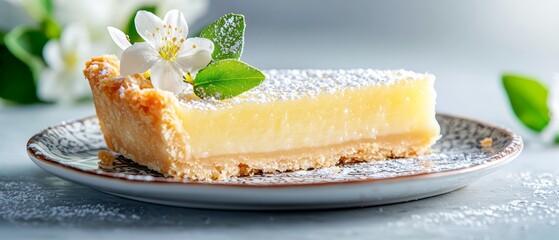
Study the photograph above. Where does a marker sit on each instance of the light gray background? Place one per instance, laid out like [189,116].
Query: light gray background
[466,44]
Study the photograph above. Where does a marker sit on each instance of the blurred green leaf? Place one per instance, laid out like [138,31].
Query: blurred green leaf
[27,41]
[130,29]
[528,99]
[16,83]
[47,6]
[51,28]
[27,44]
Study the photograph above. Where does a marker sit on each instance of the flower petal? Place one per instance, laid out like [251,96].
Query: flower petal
[74,38]
[48,89]
[175,19]
[79,85]
[119,38]
[194,61]
[166,75]
[198,55]
[138,58]
[196,43]
[53,55]
[147,26]
[62,86]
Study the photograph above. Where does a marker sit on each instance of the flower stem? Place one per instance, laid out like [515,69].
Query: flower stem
[188,78]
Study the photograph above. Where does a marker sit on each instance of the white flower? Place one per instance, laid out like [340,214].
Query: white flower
[63,81]
[552,129]
[167,51]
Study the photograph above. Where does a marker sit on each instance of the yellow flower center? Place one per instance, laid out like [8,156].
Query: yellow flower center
[169,51]
[172,42]
[70,59]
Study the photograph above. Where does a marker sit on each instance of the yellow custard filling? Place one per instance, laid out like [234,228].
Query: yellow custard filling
[402,108]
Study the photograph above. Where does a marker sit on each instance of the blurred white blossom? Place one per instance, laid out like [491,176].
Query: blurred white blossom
[552,129]
[84,24]
[62,81]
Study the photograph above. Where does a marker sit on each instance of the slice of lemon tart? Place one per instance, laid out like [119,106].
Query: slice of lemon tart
[296,119]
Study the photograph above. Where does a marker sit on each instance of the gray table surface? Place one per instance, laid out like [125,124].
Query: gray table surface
[519,201]
[466,46]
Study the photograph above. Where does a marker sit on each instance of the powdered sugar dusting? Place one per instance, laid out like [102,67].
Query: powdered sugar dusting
[227,33]
[533,197]
[281,85]
[24,201]
[103,72]
[231,43]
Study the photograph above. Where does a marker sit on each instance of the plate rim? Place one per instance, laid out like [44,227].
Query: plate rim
[514,149]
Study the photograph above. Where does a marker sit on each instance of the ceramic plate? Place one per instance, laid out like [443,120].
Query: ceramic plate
[70,150]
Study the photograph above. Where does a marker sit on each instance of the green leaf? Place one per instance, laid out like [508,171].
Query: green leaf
[51,28]
[26,41]
[130,28]
[528,99]
[227,34]
[26,44]
[47,6]
[16,83]
[226,79]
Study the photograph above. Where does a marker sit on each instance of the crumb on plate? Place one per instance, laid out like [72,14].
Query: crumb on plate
[486,142]
[106,158]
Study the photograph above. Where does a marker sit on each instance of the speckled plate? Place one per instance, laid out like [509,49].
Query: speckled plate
[70,150]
